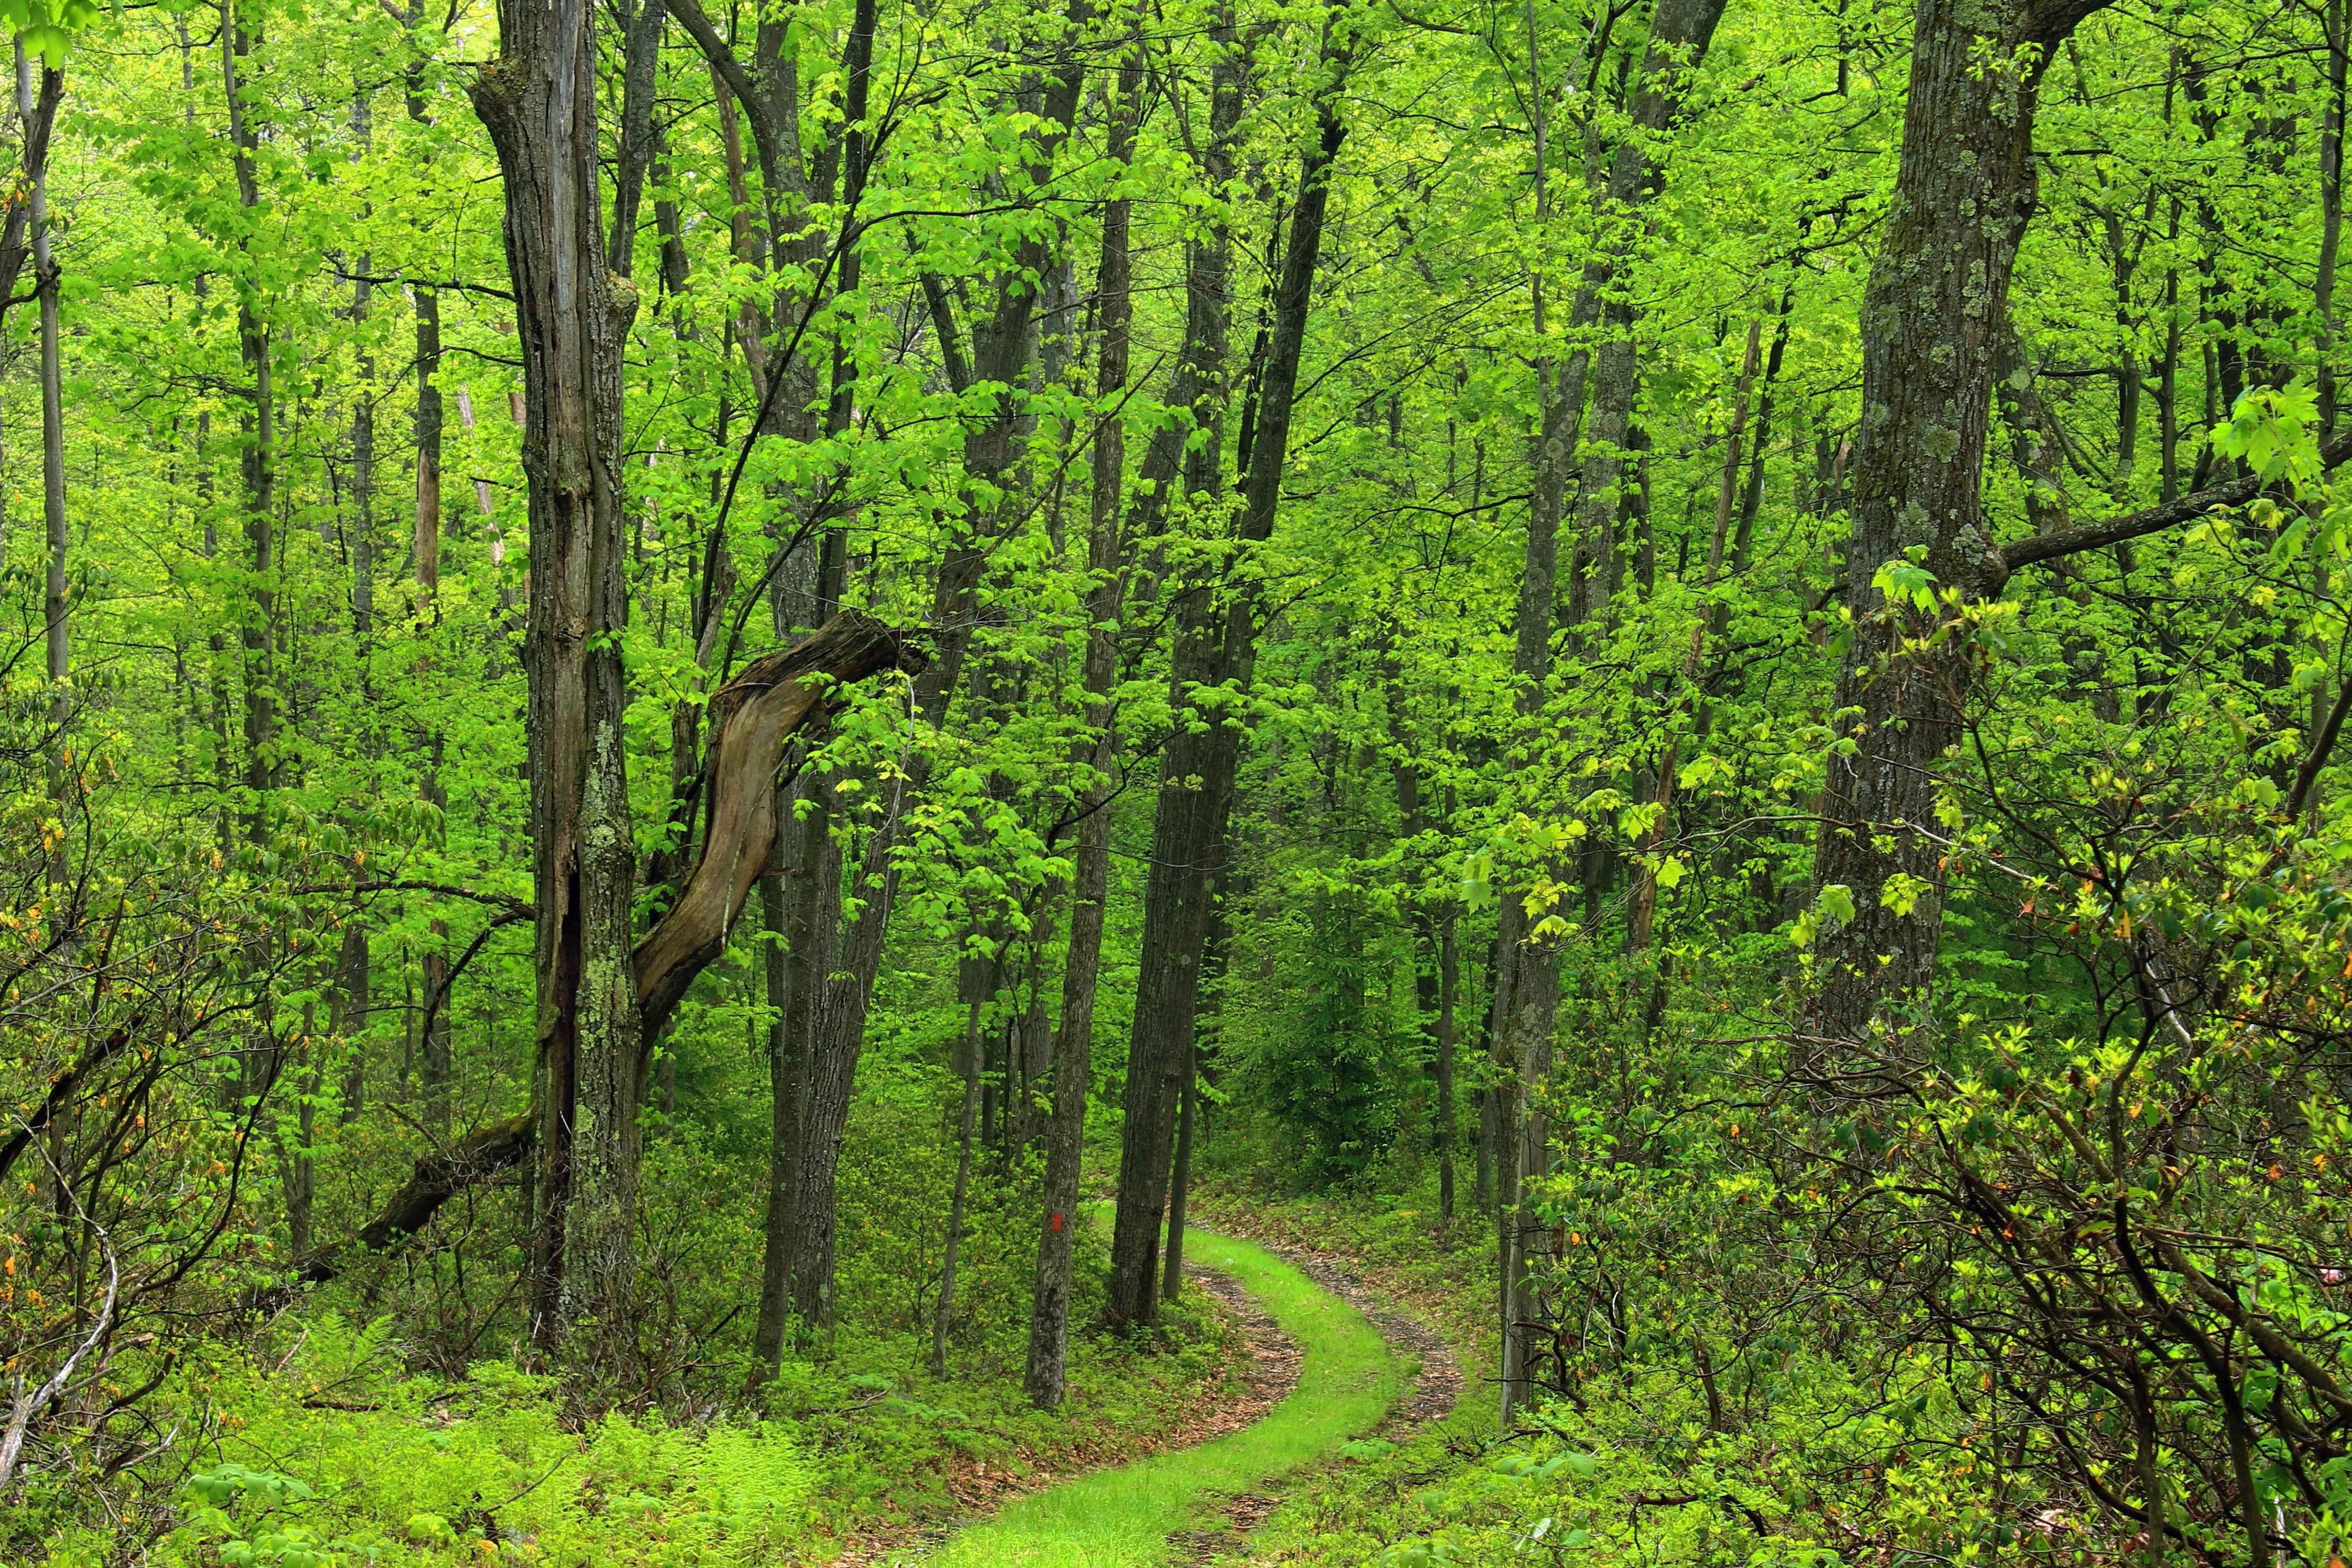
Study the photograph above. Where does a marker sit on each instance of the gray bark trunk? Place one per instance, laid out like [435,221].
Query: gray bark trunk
[1933,317]
[1216,644]
[538,99]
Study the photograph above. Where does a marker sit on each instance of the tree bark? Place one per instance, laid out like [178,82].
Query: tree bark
[1179,1179]
[750,718]
[1107,565]
[641,53]
[538,101]
[257,467]
[1449,987]
[353,1004]
[1527,989]
[53,438]
[1932,317]
[1215,644]
[39,119]
[968,1058]
[991,448]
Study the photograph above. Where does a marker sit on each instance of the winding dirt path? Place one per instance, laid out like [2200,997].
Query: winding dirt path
[1436,1391]
[1270,1374]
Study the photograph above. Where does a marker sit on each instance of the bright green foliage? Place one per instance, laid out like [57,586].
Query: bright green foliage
[265,851]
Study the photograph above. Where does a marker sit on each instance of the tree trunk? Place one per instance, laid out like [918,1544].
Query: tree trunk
[1214,646]
[968,1059]
[1932,318]
[786,1064]
[1449,985]
[641,52]
[425,542]
[1527,989]
[353,1004]
[1180,1180]
[991,447]
[257,468]
[2331,208]
[1049,1307]
[39,117]
[53,439]
[538,101]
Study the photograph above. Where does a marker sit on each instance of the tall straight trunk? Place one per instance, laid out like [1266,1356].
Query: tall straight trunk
[1526,990]
[991,448]
[641,53]
[2128,365]
[1751,497]
[1490,1108]
[805,915]
[968,1060]
[425,566]
[350,1006]
[53,451]
[216,644]
[37,117]
[1432,983]
[785,1074]
[2331,207]
[362,544]
[257,468]
[1449,988]
[538,101]
[1934,311]
[1680,33]
[1045,1375]
[301,1171]
[353,1004]
[1216,644]
[1646,890]
[833,984]
[1180,1180]
[426,537]
[2167,394]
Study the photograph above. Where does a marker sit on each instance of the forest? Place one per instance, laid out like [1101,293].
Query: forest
[1131,782]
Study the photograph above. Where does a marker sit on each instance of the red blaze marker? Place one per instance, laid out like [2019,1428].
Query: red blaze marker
[1055,1225]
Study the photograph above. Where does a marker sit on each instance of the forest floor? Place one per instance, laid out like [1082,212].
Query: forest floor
[1327,1374]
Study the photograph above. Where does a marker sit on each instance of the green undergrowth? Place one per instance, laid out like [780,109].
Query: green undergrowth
[1347,1379]
[1806,1463]
[333,1451]
[1638,1478]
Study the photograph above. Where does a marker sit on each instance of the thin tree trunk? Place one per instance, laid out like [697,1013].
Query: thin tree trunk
[785,1067]
[353,1005]
[37,115]
[258,468]
[1049,1306]
[2331,209]
[1180,1181]
[1527,991]
[969,1059]
[991,448]
[641,53]
[1645,892]
[53,450]
[1449,982]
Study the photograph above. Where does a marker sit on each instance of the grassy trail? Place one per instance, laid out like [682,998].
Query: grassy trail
[1347,1379]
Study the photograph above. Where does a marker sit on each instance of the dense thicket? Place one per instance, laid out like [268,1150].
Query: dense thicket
[686,670]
